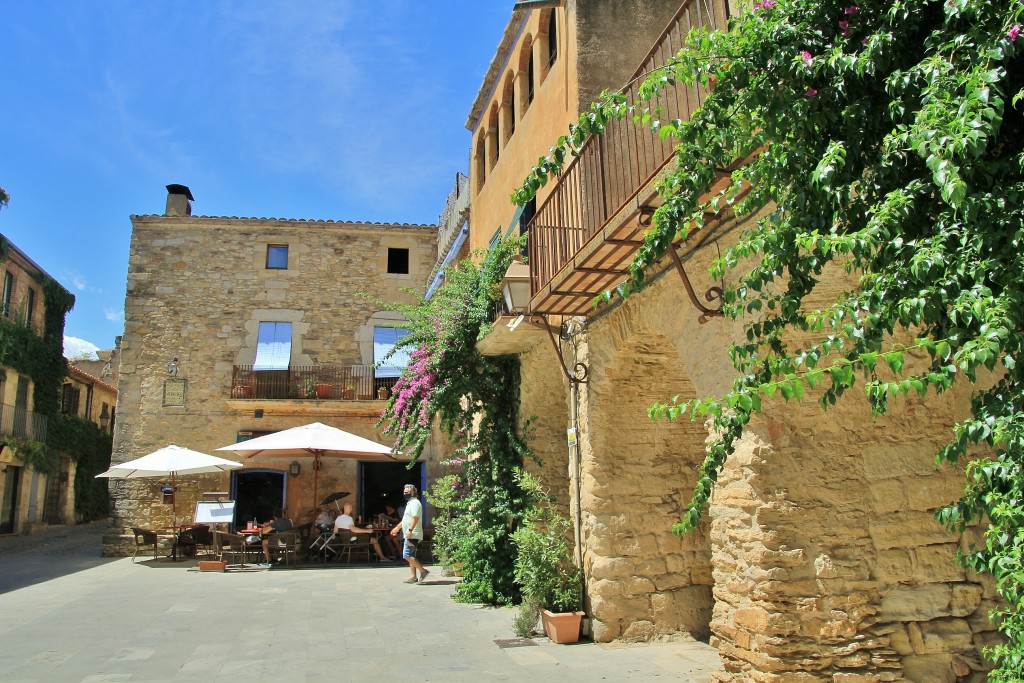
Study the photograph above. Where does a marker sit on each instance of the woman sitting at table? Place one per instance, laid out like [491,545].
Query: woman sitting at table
[345,522]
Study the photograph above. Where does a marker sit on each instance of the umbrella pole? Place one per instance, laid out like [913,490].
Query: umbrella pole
[174,504]
[316,476]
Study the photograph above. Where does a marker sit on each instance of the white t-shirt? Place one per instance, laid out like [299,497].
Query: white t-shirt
[414,508]
[343,522]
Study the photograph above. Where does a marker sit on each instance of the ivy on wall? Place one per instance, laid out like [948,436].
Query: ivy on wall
[90,447]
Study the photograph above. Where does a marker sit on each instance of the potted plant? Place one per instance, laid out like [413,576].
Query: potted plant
[323,390]
[382,393]
[549,579]
[348,392]
[242,391]
[307,387]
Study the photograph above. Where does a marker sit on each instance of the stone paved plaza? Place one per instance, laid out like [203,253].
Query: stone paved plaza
[70,615]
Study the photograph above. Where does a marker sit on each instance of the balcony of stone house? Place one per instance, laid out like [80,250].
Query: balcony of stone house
[22,423]
[584,235]
[311,383]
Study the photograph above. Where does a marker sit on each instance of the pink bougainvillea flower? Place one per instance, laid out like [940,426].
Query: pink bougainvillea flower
[764,4]
[851,9]
[811,92]
[807,56]
[1013,33]
[844,25]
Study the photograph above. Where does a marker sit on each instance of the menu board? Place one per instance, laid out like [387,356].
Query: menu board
[215,511]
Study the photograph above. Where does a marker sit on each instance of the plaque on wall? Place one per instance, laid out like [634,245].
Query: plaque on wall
[174,392]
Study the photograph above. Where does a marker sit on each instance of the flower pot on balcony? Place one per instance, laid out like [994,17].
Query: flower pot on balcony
[244,391]
[323,390]
[348,393]
[382,393]
[562,627]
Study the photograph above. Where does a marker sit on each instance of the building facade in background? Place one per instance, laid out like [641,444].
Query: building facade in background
[32,310]
[239,327]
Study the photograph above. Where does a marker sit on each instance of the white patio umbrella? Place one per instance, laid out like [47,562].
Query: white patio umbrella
[170,460]
[316,440]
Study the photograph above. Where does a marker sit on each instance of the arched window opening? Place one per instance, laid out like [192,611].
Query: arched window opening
[494,146]
[508,108]
[526,69]
[481,163]
[552,40]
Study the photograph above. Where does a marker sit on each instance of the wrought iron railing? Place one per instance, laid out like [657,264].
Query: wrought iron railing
[613,167]
[22,423]
[323,382]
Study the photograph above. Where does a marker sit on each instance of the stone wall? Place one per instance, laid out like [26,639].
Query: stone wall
[198,287]
[819,559]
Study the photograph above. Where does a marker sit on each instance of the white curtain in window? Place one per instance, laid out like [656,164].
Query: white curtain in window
[273,346]
[384,339]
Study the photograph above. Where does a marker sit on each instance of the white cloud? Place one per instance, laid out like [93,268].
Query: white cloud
[79,349]
[113,316]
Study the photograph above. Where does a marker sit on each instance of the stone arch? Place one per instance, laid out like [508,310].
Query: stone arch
[480,161]
[637,476]
[493,149]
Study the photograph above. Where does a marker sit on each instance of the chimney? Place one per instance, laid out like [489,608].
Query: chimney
[179,201]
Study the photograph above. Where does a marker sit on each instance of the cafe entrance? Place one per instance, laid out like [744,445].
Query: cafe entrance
[257,493]
[382,482]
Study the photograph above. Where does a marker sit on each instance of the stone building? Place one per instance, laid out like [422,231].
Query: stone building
[819,558]
[238,327]
[31,363]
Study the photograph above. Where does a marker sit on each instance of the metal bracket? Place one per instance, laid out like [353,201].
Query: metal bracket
[712,294]
[580,370]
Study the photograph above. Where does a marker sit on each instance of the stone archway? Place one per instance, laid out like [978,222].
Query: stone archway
[643,581]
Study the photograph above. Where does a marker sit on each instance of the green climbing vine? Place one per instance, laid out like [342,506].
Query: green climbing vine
[475,400]
[882,137]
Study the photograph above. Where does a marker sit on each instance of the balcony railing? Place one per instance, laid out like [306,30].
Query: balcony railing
[22,423]
[323,382]
[607,175]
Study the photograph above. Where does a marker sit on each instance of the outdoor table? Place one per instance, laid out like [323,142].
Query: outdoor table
[256,547]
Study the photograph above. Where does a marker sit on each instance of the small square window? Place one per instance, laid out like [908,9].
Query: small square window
[277,256]
[398,261]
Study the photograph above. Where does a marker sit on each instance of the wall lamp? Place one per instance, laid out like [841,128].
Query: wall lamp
[294,468]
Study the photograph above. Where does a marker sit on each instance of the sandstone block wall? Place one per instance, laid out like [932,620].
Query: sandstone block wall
[819,559]
[198,287]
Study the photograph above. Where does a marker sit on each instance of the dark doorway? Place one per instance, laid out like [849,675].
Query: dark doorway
[9,511]
[257,494]
[382,482]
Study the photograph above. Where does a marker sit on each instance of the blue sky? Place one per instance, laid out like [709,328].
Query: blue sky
[336,110]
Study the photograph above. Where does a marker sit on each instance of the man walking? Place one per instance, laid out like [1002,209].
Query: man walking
[411,527]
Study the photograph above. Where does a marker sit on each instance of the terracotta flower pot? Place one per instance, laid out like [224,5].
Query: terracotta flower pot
[562,627]
[382,394]
[323,390]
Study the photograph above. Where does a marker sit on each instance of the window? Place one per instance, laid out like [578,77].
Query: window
[5,307]
[277,256]
[273,346]
[552,40]
[30,308]
[384,340]
[398,261]
[69,400]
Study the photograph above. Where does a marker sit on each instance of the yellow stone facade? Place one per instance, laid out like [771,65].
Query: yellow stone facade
[819,558]
[198,289]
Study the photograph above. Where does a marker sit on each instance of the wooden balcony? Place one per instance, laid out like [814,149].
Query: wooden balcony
[585,234]
[311,382]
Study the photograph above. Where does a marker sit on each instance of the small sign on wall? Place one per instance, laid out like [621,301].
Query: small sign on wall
[571,433]
[174,392]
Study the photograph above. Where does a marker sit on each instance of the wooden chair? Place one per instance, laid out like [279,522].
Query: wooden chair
[285,547]
[144,538]
[352,544]
[230,548]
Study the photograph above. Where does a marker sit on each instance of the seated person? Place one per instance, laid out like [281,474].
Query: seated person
[269,529]
[324,520]
[391,516]
[345,522]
